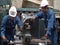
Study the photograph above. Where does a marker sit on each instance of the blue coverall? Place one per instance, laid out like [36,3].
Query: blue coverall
[50,24]
[8,26]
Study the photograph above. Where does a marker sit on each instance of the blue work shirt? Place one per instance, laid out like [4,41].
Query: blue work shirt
[49,20]
[8,26]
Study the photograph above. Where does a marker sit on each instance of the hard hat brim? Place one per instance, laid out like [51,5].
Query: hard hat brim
[12,15]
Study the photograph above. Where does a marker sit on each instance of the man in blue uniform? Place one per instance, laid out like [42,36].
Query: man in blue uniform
[50,22]
[8,25]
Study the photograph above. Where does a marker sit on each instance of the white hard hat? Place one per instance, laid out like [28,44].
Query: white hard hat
[13,11]
[44,3]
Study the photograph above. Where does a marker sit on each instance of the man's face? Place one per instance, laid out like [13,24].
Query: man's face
[44,9]
[12,13]
[12,18]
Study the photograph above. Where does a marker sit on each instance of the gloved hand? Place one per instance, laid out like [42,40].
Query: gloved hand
[11,42]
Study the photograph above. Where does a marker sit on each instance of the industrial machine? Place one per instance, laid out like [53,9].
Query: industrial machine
[26,33]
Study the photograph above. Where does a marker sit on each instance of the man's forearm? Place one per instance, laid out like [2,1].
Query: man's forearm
[3,37]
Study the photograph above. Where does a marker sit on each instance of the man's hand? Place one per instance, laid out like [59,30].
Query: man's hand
[4,39]
[21,28]
[34,17]
[46,35]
